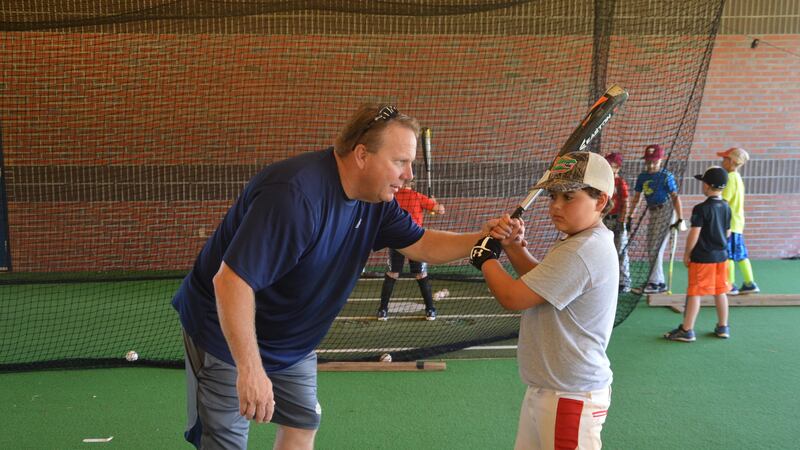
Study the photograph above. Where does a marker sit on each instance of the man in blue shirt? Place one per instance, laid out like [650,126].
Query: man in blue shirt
[660,192]
[269,282]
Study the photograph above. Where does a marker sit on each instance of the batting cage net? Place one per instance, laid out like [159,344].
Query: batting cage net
[129,128]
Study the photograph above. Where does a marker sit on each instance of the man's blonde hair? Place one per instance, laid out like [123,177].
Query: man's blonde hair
[366,125]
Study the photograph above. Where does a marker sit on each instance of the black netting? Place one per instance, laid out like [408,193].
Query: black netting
[129,127]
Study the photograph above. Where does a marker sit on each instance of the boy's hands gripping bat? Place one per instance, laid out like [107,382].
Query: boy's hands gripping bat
[591,125]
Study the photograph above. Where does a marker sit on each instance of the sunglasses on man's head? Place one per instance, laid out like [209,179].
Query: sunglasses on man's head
[384,114]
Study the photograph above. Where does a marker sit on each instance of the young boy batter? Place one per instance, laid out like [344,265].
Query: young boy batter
[568,303]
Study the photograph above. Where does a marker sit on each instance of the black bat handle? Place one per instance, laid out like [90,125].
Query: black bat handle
[532,195]
[517,212]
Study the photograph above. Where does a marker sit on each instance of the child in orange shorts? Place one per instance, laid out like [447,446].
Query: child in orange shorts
[706,256]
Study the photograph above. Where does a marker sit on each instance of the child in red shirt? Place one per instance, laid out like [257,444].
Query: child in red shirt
[615,221]
[416,204]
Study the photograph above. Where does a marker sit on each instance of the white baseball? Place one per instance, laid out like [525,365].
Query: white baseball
[386,357]
[131,356]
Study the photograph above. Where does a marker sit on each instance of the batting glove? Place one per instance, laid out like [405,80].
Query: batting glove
[679,225]
[485,249]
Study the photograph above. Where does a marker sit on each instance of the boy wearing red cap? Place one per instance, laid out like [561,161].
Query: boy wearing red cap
[659,187]
[615,220]
[732,160]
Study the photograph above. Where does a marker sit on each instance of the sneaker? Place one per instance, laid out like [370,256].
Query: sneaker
[734,290]
[383,315]
[651,288]
[655,288]
[623,289]
[722,331]
[679,334]
[430,314]
[751,288]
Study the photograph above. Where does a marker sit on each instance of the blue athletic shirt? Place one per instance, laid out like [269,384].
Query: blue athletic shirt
[300,243]
[656,186]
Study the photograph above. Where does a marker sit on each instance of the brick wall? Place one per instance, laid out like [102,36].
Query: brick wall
[752,100]
[113,131]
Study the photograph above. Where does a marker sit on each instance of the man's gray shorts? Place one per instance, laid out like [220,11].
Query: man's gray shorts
[213,404]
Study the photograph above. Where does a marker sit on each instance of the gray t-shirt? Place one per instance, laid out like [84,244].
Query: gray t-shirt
[562,342]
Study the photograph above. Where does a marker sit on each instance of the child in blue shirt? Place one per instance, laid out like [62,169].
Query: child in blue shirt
[660,189]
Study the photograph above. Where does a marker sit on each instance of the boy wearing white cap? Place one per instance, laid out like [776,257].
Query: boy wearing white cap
[732,160]
[568,302]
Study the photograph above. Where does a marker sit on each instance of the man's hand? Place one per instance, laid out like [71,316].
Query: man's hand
[256,399]
[687,258]
[438,209]
[488,226]
[485,249]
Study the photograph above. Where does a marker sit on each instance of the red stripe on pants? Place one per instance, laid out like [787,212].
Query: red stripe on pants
[568,422]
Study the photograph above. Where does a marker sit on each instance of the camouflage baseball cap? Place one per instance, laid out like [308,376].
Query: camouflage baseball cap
[578,170]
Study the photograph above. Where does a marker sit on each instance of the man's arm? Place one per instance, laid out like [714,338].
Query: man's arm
[236,310]
[437,247]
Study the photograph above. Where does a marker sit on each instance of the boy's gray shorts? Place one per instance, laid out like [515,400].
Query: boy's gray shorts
[213,404]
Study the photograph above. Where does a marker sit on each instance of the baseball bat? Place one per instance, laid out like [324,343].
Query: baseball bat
[588,129]
[674,238]
[428,158]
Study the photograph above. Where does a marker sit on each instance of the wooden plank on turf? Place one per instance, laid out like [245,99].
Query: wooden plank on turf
[405,366]
[677,300]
